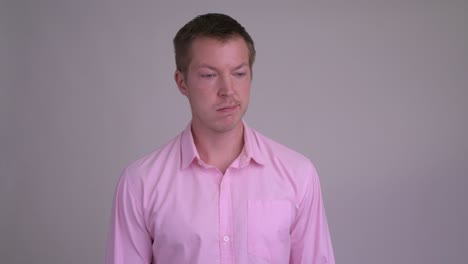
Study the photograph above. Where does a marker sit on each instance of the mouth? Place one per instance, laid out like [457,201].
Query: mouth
[227,109]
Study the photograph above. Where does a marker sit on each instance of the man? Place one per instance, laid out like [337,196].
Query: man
[220,192]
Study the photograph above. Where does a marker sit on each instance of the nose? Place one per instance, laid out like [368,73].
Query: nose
[226,86]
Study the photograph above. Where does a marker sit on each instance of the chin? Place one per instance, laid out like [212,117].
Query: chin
[227,126]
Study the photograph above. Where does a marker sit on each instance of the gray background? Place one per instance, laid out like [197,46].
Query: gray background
[374,92]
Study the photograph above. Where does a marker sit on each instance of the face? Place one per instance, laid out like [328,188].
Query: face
[217,83]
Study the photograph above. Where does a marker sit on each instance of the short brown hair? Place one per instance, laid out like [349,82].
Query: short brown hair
[213,25]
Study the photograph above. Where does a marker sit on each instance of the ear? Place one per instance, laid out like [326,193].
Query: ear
[180,81]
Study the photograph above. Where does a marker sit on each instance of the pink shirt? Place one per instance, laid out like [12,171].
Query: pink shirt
[172,208]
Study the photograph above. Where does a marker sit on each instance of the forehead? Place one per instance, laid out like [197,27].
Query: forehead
[213,50]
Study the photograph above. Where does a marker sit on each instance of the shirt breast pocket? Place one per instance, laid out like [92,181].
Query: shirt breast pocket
[268,234]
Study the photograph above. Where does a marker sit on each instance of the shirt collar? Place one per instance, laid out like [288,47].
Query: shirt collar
[252,147]
[250,151]
[187,147]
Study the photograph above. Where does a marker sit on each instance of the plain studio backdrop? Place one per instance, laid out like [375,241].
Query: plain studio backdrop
[373,92]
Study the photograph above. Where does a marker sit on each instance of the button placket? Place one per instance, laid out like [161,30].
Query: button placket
[225,216]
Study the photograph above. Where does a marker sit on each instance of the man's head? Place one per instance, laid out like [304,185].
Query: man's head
[214,56]
[218,26]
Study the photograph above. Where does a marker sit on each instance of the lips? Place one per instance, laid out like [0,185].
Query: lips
[227,108]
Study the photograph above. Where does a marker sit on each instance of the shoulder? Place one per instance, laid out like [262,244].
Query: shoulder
[294,168]
[148,165]
[277,152]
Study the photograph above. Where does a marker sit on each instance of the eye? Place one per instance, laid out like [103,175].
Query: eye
[208,75]
[240,74]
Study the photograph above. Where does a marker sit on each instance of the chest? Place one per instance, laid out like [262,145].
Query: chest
[201,208]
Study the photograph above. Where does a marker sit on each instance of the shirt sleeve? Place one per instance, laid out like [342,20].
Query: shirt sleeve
[310,236]
[128,240]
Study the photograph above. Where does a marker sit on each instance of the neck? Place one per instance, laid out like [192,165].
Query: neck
[219,149]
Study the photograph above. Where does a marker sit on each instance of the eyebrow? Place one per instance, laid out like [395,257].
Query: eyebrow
[203,65]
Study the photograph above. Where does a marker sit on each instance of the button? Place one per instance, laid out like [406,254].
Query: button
[226,238]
